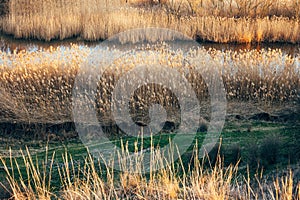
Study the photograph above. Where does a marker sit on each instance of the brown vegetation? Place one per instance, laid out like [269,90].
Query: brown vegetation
[91,180]
[38,86]
[241,8]
[217,21]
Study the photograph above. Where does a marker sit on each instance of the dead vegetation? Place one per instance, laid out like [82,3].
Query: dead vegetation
[95,179]
[218,21]
[38,86]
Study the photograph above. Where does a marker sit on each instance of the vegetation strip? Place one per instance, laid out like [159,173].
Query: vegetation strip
[234,21]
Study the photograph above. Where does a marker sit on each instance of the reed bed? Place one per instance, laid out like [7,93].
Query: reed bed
[97,20]
[32,178]
[235,8]
[37,86]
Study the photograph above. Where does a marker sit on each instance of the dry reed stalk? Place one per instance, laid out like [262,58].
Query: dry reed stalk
[37,180]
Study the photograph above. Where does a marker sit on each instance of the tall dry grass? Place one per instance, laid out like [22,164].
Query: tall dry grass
[34,182]
[240,8]
[38,86]
[99,19]
[92,180]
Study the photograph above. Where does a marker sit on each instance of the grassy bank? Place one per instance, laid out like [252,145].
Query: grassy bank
[58,175]
[217,21]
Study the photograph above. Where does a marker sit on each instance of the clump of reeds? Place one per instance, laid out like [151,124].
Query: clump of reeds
[39,83]
[35,179]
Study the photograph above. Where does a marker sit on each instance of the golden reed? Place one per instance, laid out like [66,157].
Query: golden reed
[214,20]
